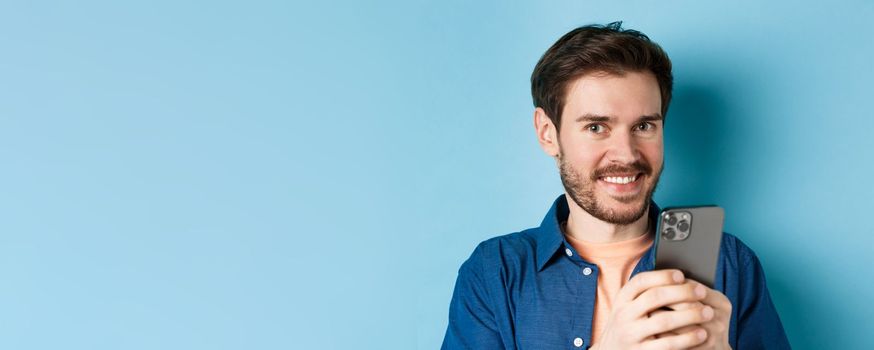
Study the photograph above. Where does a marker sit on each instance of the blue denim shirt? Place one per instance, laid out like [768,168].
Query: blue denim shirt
[523,291]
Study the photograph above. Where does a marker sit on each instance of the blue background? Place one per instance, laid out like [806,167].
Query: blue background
[274,175]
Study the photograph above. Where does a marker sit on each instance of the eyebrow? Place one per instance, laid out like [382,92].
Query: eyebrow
[603,118]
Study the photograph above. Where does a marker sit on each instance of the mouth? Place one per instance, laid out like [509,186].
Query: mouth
[622,184]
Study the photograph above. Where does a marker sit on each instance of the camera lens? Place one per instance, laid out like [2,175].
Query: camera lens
[672,219]
[669,234]
[683,226]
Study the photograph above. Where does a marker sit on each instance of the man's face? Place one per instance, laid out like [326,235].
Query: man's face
[611,144]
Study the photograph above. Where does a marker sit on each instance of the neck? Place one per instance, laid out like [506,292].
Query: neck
[583,226]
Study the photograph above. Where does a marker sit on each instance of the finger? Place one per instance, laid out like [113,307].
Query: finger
[661,296]
[685,305]
[679,307]
[656,312]
[685,329]
[680,341]
[717,300]
[682,330]
[646,280]
[674,320]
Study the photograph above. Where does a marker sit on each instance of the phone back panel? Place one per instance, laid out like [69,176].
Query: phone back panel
[697,254]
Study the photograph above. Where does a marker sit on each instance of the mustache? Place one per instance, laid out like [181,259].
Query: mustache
[636,167]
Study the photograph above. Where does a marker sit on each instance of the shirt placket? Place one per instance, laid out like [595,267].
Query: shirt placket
[586,275]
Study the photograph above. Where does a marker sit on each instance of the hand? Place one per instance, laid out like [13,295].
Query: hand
[717,327]
[630,325]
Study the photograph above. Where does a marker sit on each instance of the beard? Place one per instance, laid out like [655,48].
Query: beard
[581,188]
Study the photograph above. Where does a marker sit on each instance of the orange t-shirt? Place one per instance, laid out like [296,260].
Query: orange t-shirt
[615,261]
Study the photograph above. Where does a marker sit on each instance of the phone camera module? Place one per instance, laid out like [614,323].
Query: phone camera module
[677,225]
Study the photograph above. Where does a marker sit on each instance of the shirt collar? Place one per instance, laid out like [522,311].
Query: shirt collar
[550,238]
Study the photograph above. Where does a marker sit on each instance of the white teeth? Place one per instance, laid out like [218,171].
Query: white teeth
[620,180]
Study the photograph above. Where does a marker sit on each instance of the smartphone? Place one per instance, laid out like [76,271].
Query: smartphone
[688,239]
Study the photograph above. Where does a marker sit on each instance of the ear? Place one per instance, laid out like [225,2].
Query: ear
[547,134]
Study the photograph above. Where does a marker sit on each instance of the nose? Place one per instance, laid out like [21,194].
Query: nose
[623,149]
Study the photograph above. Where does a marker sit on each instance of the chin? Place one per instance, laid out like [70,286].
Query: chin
[622,212]
[633,201]
[626,209]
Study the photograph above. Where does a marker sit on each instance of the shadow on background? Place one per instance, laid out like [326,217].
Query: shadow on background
[695,143]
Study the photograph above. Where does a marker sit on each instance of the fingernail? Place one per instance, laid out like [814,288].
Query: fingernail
[707,312]
[701,334]
[699,291]
[678,276]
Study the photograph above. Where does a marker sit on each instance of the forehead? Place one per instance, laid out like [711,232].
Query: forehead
[627,96]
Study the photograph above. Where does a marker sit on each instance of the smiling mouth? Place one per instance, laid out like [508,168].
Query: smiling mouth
[621,179]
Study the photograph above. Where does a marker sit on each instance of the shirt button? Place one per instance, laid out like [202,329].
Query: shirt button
[587,271]
[568,251]
[578,342]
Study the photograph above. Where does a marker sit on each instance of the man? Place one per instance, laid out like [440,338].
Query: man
[585,278]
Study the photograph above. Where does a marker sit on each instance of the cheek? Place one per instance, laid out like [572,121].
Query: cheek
[653,153]
[583,156]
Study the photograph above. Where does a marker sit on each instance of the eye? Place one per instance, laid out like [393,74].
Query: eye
[596,128]
[645,126]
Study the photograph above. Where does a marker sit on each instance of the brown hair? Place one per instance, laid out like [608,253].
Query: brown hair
[596,48]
